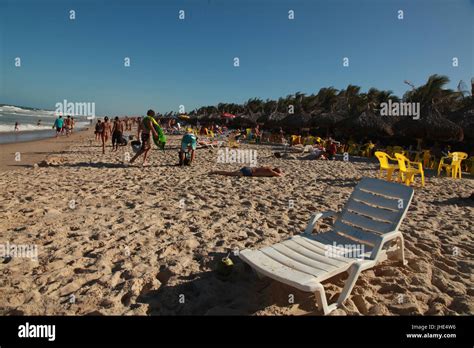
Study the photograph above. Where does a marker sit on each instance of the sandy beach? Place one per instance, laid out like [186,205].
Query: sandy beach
[31,152]
[117,240]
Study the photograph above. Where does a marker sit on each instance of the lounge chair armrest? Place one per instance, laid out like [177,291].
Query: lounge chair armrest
[314,219]
[418,165]
[386,237]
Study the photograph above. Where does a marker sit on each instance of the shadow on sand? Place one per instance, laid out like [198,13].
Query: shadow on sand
[208,293]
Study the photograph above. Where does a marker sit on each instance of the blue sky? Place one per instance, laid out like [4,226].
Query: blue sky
[190,62]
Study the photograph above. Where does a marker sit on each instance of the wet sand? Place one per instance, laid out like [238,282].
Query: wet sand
[32,152]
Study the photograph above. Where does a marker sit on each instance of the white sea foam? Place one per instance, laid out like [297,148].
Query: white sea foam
[33,127]
[23,127]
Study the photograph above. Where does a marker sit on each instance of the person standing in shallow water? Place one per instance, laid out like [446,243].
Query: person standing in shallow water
[16,127]
[58,124]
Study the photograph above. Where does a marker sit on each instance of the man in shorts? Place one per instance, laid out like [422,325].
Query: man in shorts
[145,131]
[58,124]
[117,131]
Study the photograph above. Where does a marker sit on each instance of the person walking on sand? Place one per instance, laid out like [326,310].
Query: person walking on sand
[58,124]
[67,125]
[250,171]
[107,129]
[100,129]
[117,131]
[145,131]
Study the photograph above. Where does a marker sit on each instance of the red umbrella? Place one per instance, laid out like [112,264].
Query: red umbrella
[227,115]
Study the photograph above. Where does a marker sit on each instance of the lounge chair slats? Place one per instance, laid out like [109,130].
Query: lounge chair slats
[331,238]
[300,265]
[269,267]
[319,249]
[375,200]
[366,223]
[376,213]
[384,188]
[298,252]
[360,235]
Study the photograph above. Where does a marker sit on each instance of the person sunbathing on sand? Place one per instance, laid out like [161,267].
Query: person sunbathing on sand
[250,171]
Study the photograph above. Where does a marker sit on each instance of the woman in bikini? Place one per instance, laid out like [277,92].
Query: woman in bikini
[250,171]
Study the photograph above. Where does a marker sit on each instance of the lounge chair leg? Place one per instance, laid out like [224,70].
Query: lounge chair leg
[322,302]
[354,272]
[401,250]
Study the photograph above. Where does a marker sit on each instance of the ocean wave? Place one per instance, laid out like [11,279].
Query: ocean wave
[14,110]
[33,127]
[23,127]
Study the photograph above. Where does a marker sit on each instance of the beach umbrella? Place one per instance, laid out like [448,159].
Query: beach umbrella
[184,117]
[431,125]
[326,120]
[367,124]
[227,115]
[464,118]
[242,121]
[295,122]
[271,120]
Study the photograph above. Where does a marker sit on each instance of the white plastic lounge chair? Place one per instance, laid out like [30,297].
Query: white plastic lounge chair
[358,241]
[308,148]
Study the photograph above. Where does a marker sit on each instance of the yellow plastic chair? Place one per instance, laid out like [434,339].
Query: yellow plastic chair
[385,164]
[353,149]
[409,169]
[233,143]
[455,166]
[295,139]
[367,149]
[428,159]
[309,140]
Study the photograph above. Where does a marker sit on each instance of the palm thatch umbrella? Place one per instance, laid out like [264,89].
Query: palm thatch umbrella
[367,124]
[326,120]
[464,118]
[431,125]
[242,121]
[272,120]
[295,122]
